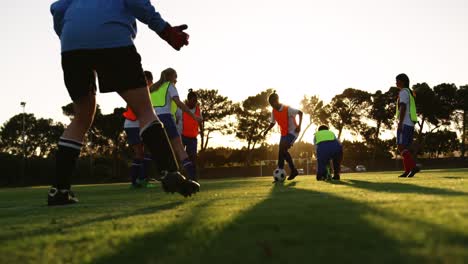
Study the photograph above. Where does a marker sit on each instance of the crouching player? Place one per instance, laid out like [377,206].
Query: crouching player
[327,148]
[93,44]
[285,116]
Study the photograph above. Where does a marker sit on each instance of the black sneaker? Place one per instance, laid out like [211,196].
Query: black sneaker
[336,177]
[293,175]
[413,172]
[60,197]
[175,182]
[321,178]
[404,175]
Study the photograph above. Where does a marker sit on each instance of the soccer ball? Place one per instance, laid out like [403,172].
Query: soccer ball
[279,175]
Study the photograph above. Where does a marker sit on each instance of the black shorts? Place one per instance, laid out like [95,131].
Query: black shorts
[117,70]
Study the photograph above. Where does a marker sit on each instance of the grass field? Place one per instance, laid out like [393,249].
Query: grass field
[365,218]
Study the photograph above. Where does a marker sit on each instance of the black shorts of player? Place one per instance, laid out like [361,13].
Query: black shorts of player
[117,69]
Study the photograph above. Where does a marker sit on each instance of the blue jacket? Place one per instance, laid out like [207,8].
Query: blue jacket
[97,24]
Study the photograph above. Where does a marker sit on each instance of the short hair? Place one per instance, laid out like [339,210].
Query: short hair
[148,76]
[403,78]
[191,94]
[273,96]
[323,127]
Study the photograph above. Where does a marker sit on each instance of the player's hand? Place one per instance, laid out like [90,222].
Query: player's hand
[298,129]
[175,36]
[265,133]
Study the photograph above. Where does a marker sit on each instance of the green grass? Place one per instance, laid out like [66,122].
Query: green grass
[366,218]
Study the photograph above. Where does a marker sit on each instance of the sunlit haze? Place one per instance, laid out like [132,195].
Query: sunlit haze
[243,47]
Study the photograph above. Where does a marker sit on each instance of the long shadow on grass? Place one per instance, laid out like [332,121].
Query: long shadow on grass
[290,226]
[56,227]
[394,187]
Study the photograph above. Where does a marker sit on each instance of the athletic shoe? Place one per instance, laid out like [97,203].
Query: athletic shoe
[146,183]
[293,175]
[336,177]
[413,172]
[60,197]
[321,178]
[175,182]
[404,175]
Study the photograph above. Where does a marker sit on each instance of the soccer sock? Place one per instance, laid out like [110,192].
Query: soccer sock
[190,168]
[136,171]
[155,138]
[146,165]
[281,159]
[288,158]
[408,160]
[67,154]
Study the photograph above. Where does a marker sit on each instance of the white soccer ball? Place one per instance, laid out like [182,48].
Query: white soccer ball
[279,175]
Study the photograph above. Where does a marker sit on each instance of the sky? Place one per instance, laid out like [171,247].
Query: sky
[298,47]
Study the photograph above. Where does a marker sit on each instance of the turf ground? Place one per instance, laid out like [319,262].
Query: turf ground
[365,218]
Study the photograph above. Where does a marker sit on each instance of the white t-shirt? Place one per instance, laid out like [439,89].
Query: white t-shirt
[179,123]
[131,124]
[171,93]
[405,99]
[292,112]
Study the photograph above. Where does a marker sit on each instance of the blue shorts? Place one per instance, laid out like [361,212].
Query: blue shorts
[190,145]
[405,135]
[327,151]
[289,140]
[169,125]
[133,135]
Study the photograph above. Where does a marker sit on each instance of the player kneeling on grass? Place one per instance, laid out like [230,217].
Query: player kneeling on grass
[97,40]
[141,162]
[407,117]
[327,148]
[165,99]
[285,116]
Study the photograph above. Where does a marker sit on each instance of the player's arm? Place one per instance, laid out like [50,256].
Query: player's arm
[298,128]
[185,108]
[265,132]
[145,12]
[58,9]
[401,118]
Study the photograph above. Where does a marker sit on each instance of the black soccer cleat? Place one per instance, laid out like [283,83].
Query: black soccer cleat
[175,182]
[336,177]
[404,175]
[413,172]
[321,178]
[293,175]
[60,197]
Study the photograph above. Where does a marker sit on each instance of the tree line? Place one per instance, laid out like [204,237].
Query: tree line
[440,131]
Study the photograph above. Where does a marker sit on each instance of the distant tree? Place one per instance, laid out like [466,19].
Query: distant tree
[314,107]
[40,137]
[440,142]
[427,105]
[347,109]
[382,109]
[446,95]
[253,117]
[461,116]
[217,111]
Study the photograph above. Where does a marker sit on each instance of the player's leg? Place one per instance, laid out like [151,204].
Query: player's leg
[133,139]
[80,82]
[176,142]
[322,162]
[337,160]
[404,139]
[281,152]
[119,69]
[287,156]
[190,145]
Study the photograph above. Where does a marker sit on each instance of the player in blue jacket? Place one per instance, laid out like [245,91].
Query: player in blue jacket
[97,42]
